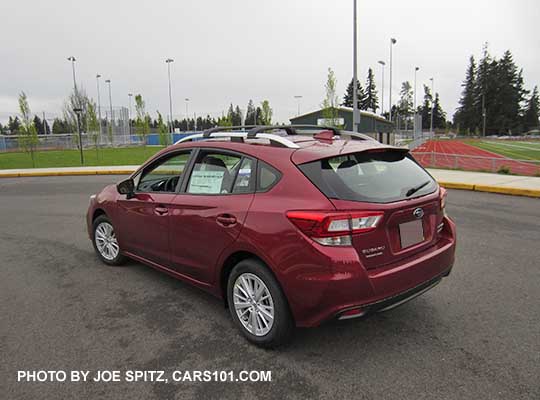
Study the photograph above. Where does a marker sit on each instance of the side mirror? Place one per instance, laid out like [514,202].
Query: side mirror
[126,187]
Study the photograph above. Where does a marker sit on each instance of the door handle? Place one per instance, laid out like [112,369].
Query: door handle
[226,219]
[161,210]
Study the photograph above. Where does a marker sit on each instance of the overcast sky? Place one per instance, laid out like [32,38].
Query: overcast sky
[231,51]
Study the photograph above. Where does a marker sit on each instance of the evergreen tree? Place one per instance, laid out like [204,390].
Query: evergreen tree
[238,116]
[370,101]
[39,125]
[250,113]
[14,125]
[425,109]
[439,116]
[465,116]
[348,97]
[532,112]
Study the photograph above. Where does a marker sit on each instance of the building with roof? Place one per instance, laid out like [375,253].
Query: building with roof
[370,123]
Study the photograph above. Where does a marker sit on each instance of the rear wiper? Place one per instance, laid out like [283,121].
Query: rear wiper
[413,190]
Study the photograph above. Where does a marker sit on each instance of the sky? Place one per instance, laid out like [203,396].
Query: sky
[232,51]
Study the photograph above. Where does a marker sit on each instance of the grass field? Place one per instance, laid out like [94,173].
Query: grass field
[526,150]
[71,158]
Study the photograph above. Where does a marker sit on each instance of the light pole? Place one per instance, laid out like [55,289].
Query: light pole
[130,95]
[169,61]
[98,102]
[108,81]
[382,86]
[432,106]
[392,42]
[78,112]
[414,106]
[72,59]
[356,114]
[187,114]
[298,97]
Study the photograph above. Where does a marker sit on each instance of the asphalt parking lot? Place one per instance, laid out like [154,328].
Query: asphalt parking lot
[476,335]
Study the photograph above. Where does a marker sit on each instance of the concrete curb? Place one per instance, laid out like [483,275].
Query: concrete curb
[30,174]
[491,189]
[449,185]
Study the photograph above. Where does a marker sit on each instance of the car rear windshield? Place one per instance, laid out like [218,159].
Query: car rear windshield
[374,177]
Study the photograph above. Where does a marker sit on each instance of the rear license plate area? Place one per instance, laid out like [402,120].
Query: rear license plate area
[411,233]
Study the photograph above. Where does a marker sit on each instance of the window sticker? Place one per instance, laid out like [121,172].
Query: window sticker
[208,182]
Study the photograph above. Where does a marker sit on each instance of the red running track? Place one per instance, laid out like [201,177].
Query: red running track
[454,154]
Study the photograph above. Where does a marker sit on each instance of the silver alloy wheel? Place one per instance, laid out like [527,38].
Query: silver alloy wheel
[106,242]
[253,304]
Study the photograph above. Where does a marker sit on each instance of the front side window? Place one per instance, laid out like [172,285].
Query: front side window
[165,175]
[214,173]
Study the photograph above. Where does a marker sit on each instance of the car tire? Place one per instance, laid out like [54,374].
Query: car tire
[105,242]
[269,332]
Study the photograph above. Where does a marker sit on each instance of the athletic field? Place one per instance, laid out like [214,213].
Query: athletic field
[514,157]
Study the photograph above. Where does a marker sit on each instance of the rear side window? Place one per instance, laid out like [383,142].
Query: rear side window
[213,173]
[267,177]
[373,177]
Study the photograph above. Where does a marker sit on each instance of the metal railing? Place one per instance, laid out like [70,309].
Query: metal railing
[478,163]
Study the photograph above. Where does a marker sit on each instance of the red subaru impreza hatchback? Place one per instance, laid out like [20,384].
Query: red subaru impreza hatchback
[290,226]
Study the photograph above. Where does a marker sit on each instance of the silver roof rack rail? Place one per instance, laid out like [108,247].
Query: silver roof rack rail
[280,141]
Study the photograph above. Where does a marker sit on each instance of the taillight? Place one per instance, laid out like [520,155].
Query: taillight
[334,229]
[443,193]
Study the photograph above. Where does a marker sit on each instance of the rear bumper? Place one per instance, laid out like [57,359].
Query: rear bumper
[352,287]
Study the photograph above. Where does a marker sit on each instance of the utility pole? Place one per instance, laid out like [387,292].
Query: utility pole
[169,61]
[432,106]
[356,114]
[187,113]
[108,81]
[78,114]
[298,97]
[130,95]
[392,42]
[99,104]
[382,86]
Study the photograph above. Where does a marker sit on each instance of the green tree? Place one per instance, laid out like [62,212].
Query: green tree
[163,131]
[439,116]
[142,124]
[250,114]
[14,125]
[77,99]
[330,103]
[532,112]
[465,115]
[29,138]
[371,100]
[266,113]
[93,127]
[425,109]
[405,104]
[39,125]
[348,97]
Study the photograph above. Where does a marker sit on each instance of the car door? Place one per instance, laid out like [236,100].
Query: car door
[145,218]
[211,209]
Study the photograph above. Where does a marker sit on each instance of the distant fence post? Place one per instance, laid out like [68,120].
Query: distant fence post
[456,162]
[432,158]
[493,165]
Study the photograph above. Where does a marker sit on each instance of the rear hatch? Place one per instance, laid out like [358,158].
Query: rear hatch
[388,181]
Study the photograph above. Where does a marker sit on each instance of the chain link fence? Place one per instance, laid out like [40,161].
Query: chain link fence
[114,131]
